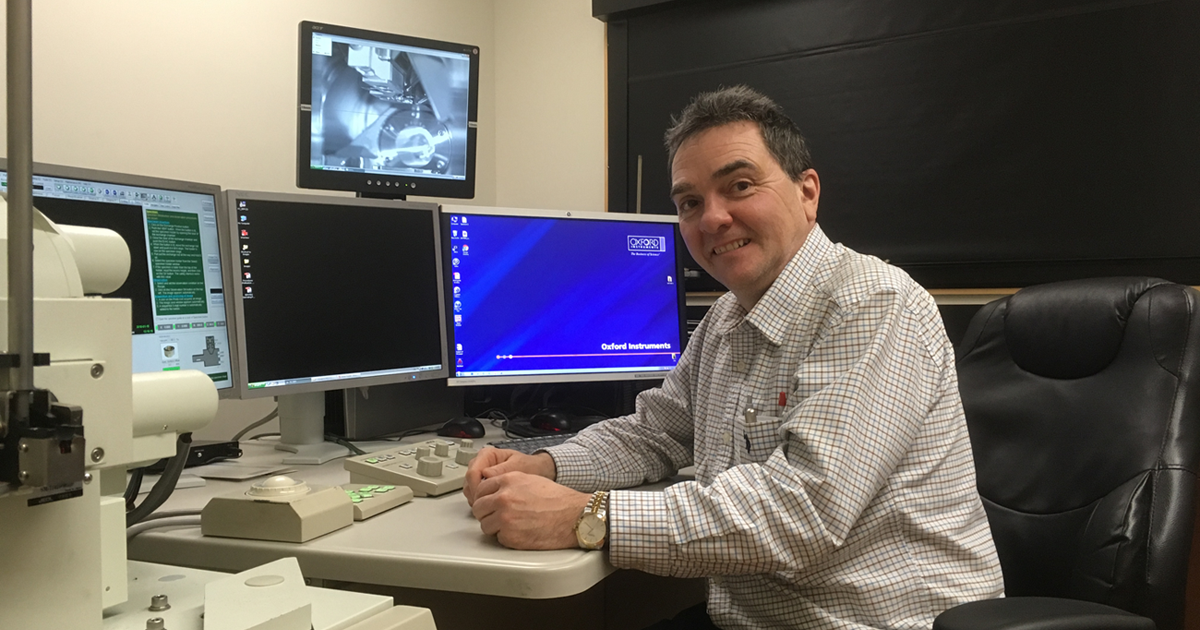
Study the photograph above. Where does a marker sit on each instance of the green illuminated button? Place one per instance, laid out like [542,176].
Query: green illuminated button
[385,488]
[356,499]
[372,460]
[365,495]
[367,488]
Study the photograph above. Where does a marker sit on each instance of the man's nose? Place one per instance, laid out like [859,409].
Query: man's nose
[716,216]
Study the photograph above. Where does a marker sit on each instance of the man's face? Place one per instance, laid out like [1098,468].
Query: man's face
[740,215]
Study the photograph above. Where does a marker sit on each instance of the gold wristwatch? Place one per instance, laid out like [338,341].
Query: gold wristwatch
[591,530]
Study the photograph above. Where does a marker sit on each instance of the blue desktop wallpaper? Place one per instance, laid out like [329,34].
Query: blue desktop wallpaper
[560,295]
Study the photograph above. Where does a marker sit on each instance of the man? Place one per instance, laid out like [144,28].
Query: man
[818,401]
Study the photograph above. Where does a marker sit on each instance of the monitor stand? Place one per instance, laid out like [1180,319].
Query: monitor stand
[302,430]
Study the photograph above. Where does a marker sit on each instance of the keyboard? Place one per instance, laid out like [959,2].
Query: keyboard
[528,445]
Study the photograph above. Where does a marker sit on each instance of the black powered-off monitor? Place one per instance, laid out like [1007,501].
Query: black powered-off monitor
[174,286]
[332,293]
[386,115]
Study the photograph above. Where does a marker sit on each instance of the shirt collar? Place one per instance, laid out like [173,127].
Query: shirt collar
[770,314]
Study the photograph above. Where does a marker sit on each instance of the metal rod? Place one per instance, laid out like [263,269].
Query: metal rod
[20,200]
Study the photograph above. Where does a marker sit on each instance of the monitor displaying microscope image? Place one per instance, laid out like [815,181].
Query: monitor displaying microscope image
[386,115]
[175,282]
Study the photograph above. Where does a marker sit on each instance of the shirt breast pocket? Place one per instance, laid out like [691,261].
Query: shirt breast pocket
[761,438]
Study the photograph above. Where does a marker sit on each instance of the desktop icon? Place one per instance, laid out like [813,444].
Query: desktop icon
[245,261]
[245,247]
[243,218]
[454,249]
[245,233]
[454,220]
[453,233]
[457,291]
[459,363]
[454,261]
[247,274]
[466,249]
[458,348]
[242,204]
[464,234]
[670,280]
[249,289]
[457,278]
[464,220]
[457,306]
[458,320]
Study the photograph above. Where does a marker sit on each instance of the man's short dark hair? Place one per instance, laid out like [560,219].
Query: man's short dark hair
[736,104]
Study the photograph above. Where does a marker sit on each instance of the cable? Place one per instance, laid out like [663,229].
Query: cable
[134,530]
[165,484]
[257,423]
[263,435]
[171,514]
[344,442]
[133,488]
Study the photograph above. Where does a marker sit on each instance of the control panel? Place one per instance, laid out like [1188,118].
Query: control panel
[278,508]
[372,499]
[429,468]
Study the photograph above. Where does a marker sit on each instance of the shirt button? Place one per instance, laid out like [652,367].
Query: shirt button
[726,437]
[739,366]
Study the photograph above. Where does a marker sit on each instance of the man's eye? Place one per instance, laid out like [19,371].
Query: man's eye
[741,186]
[685,205]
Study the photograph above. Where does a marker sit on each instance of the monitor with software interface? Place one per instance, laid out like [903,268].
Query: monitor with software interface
[332,293]
[543,296]
[175,277]
[384,114]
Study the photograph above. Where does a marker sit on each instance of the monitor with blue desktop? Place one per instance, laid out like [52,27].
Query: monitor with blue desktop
[175,281]
[546,296]
[331,293]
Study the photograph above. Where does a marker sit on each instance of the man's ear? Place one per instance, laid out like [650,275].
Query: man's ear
[809,190]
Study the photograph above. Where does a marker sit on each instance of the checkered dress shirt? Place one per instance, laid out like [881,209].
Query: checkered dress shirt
[847,502]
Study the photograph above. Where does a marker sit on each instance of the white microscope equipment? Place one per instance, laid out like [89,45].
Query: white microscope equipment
[63,467]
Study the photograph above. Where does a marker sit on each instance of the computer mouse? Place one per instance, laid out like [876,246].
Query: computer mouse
[462,427]
[551,420]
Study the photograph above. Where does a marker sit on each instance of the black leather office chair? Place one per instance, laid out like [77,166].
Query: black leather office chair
[1083,404]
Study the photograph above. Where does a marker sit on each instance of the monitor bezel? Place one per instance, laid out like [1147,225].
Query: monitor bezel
[574,377]
[241,386]
[380,184]
[147,181]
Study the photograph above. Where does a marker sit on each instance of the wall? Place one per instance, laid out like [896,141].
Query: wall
[550,105]
[205,90]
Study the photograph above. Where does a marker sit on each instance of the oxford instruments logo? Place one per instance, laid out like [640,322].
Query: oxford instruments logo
[647,243]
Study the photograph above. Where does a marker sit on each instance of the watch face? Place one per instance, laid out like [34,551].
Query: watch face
[591,529]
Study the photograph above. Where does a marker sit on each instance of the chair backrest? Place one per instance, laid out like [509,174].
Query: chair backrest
[1083,404]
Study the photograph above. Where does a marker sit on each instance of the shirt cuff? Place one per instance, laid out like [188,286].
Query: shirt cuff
[639,536]
[572,466]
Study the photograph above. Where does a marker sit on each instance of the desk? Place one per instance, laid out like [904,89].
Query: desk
[421,553]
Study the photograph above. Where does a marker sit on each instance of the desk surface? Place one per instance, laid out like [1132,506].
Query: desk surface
[428,543]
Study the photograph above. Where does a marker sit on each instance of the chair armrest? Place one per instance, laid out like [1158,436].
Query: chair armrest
[1039,613]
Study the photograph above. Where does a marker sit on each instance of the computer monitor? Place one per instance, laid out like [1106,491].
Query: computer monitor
[331,293]
[542,296]
[175,277]
[385,114]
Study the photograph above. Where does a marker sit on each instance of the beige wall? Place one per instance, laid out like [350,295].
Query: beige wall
[550,137]
[205,90]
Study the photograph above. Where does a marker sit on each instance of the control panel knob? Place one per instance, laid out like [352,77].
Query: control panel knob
[442,449]
[429,467]
[466,443]
[465,455]
[423,452]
